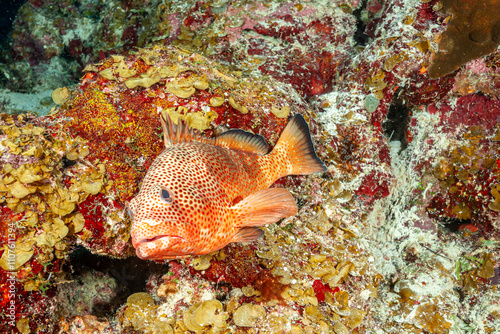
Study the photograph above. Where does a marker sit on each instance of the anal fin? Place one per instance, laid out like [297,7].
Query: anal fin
[264,207]
[248,234]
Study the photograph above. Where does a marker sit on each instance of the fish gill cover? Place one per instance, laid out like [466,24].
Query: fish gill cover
[400,234]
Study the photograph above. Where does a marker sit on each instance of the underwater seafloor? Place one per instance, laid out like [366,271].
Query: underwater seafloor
[400,235]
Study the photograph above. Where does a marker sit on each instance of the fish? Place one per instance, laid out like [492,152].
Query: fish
[202,193]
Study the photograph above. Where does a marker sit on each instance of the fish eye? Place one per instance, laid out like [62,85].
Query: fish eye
[165,196]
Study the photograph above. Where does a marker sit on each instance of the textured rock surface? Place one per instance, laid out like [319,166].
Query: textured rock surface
[401,235]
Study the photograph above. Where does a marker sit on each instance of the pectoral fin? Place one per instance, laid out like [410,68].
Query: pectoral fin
[264,207]
[248,234]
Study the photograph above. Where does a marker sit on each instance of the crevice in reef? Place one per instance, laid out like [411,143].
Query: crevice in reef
[130,276]
[9,9]
[398,117]
[360,37]
[453,224]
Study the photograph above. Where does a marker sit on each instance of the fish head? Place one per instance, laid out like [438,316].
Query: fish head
[173,214]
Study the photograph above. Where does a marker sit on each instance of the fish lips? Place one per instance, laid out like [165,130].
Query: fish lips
[155,247]
[146,231]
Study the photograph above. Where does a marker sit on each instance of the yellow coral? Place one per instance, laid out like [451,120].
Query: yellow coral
[207,313]
[13,259]
[495,192]
[141,314]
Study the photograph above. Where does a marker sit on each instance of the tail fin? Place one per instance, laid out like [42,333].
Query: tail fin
[298,146]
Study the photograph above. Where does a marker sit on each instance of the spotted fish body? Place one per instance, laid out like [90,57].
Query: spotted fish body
[201,194]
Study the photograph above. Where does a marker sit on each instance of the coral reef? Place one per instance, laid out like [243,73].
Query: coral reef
[467,174]
[400,235]
[39,199]
[296,43]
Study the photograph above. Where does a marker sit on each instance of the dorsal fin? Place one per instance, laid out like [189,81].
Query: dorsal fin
[232,139]
[180,132]
[243,140]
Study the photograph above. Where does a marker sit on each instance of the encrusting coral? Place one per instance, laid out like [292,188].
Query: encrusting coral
[39,198]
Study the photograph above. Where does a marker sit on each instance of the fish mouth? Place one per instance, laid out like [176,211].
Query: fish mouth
[155,238]
[153,248]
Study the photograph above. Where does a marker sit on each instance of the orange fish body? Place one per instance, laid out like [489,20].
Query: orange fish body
[201,194]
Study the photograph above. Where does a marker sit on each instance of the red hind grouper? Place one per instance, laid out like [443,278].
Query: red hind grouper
[201,194]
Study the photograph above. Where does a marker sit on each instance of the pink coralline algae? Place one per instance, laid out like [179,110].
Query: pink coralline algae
[484,112]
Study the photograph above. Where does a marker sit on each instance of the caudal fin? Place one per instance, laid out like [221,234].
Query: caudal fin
[298,146]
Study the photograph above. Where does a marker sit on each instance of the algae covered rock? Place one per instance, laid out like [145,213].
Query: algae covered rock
[140,313]
[202,315]
[247,315]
